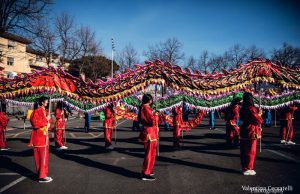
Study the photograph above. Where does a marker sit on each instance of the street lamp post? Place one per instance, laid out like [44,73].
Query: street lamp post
[112,57]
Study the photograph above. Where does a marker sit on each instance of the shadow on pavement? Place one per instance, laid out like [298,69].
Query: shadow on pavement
[95,164]
[8,164]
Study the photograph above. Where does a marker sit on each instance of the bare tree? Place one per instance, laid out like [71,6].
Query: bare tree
[88,46]
[68,46]
[88,42]
[287,55]
[218,63]
[128,57]
[154,52]
[75,43]
[253,53]
[204,61]
[44,39]
[237,55]
[227,61]
[170,51]
[17,15]
[192,63]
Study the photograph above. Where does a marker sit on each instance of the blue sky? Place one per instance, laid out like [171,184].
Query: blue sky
[213,25]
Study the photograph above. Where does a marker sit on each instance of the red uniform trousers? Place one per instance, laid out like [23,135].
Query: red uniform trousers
[176,134]
[248,152]
[2,139]
[59,137]
[232,133]
[41,163]
[150,154]
[107,135]
[59,133]
[285,125]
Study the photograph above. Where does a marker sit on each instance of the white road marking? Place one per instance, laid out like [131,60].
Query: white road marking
[283,155]
[93,135]
[17,134]
[121,123]
[73,135]
[12,184]
[116,161]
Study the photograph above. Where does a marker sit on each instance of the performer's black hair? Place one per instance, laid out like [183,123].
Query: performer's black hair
[146,99]
[59,105]
[111,107]
[247,102]
[41,100]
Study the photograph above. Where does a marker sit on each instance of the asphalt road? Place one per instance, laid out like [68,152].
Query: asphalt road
[205,164]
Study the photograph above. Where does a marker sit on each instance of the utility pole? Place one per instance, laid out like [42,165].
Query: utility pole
[112,57]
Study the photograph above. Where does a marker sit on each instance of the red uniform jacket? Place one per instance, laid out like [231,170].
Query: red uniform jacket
[149,122]
[177,120]
[109,118]
[232,114]
[287,112]
[60,119]
[3,121]
[250,128]
[39,124]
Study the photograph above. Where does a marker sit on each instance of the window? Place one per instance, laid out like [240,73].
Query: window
[11,44]
[39,58]
[30,61]
[10,61]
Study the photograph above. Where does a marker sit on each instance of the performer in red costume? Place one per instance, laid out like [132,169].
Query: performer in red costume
[232,129]
[108,125]
[286,123]
[250,132]
[3,123]
[39,139]
[60,127]
[149,136]
[177,122]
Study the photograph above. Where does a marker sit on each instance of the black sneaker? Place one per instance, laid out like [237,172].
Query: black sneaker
[45,180]
[152,174]
[148,177]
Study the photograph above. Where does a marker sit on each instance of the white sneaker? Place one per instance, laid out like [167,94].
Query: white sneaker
[63,147]
[110,147]
[4,149]
[247,172]
[291,143]
[45,180]
[252,172]
[282,141]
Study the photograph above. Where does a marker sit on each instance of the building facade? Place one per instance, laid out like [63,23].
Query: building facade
[17,57]
[13,54]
